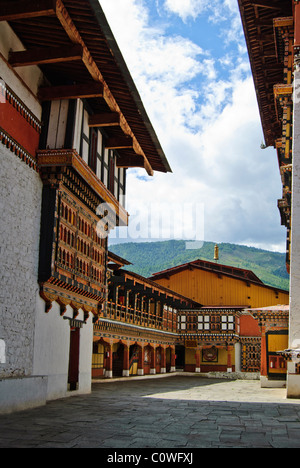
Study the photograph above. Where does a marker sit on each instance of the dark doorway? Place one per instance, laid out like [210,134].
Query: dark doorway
[168,359]
[118,361]
[180,357]
[73,377]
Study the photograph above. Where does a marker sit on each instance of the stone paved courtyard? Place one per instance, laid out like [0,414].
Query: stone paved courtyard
[176,412]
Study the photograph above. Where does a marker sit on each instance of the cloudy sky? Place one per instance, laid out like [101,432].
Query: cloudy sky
[190,65]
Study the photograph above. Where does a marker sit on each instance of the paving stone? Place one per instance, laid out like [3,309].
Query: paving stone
[175,412]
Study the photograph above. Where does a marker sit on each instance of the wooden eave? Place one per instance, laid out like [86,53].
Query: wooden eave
[138,283]
[64,23]
[219,269]
[267,314]
[116,262]
[267,66]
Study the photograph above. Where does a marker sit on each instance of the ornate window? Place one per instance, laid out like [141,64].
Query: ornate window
[203,322]
[182,322]
[227,323]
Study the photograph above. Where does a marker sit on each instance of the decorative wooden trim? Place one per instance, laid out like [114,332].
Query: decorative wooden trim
[19,105]
[63,298]
[146,337]
[70,158]
[283,22]
[17,149]
[283,90]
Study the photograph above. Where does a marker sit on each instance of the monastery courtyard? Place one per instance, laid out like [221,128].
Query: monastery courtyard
[180,413]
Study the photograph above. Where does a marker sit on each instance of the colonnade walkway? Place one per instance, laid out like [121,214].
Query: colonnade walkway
[176,412]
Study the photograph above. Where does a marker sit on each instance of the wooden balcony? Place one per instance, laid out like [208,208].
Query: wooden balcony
[129,315]
[68,164]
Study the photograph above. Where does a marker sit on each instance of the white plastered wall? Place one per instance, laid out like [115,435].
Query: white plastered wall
[293,380]
[51,352]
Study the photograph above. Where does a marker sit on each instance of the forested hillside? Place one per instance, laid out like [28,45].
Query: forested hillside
[151,257]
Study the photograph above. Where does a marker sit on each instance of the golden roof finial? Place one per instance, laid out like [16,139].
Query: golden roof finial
[216,257]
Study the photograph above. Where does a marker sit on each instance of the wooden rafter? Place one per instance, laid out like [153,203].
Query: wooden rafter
[46,55]
[11,11]
[134,161]
[22,10]
[119,143]
[272,67]
[52,93]
[111,119]
[265,4]
[73,34]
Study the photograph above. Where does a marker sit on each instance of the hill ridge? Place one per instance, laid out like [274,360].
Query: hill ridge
[148,258]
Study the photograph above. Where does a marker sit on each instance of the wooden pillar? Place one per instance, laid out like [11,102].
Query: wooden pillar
[135,307]
[155,312]
[153,361]
[126,361]
[198,360]
[237,356]
[163,368]
[148,312]
[109,361]
[163,316]
[126,304]
[263,360]
[117,295]
[229,359]
[141,360]
[173,360]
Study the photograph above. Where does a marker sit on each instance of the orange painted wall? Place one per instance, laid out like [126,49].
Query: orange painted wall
[249,326]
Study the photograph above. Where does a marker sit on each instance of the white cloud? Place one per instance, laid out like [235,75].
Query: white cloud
[208,125]
[187,8]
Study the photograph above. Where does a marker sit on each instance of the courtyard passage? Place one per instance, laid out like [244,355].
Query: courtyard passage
[179,412]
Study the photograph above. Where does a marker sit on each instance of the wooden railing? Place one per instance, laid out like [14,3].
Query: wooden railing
[138,317]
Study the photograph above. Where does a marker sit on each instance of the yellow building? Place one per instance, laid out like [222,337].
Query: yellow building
[212,284]
[219,336]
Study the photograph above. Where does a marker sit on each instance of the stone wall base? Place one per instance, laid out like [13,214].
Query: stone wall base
[20,394]
[267,383]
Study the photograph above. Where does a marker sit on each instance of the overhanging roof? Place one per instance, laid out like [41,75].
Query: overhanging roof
[146,286]
[232,272]
[210,267]
[45,24]
[267,66]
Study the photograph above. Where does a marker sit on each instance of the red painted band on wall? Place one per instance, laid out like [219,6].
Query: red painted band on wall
[20,129]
